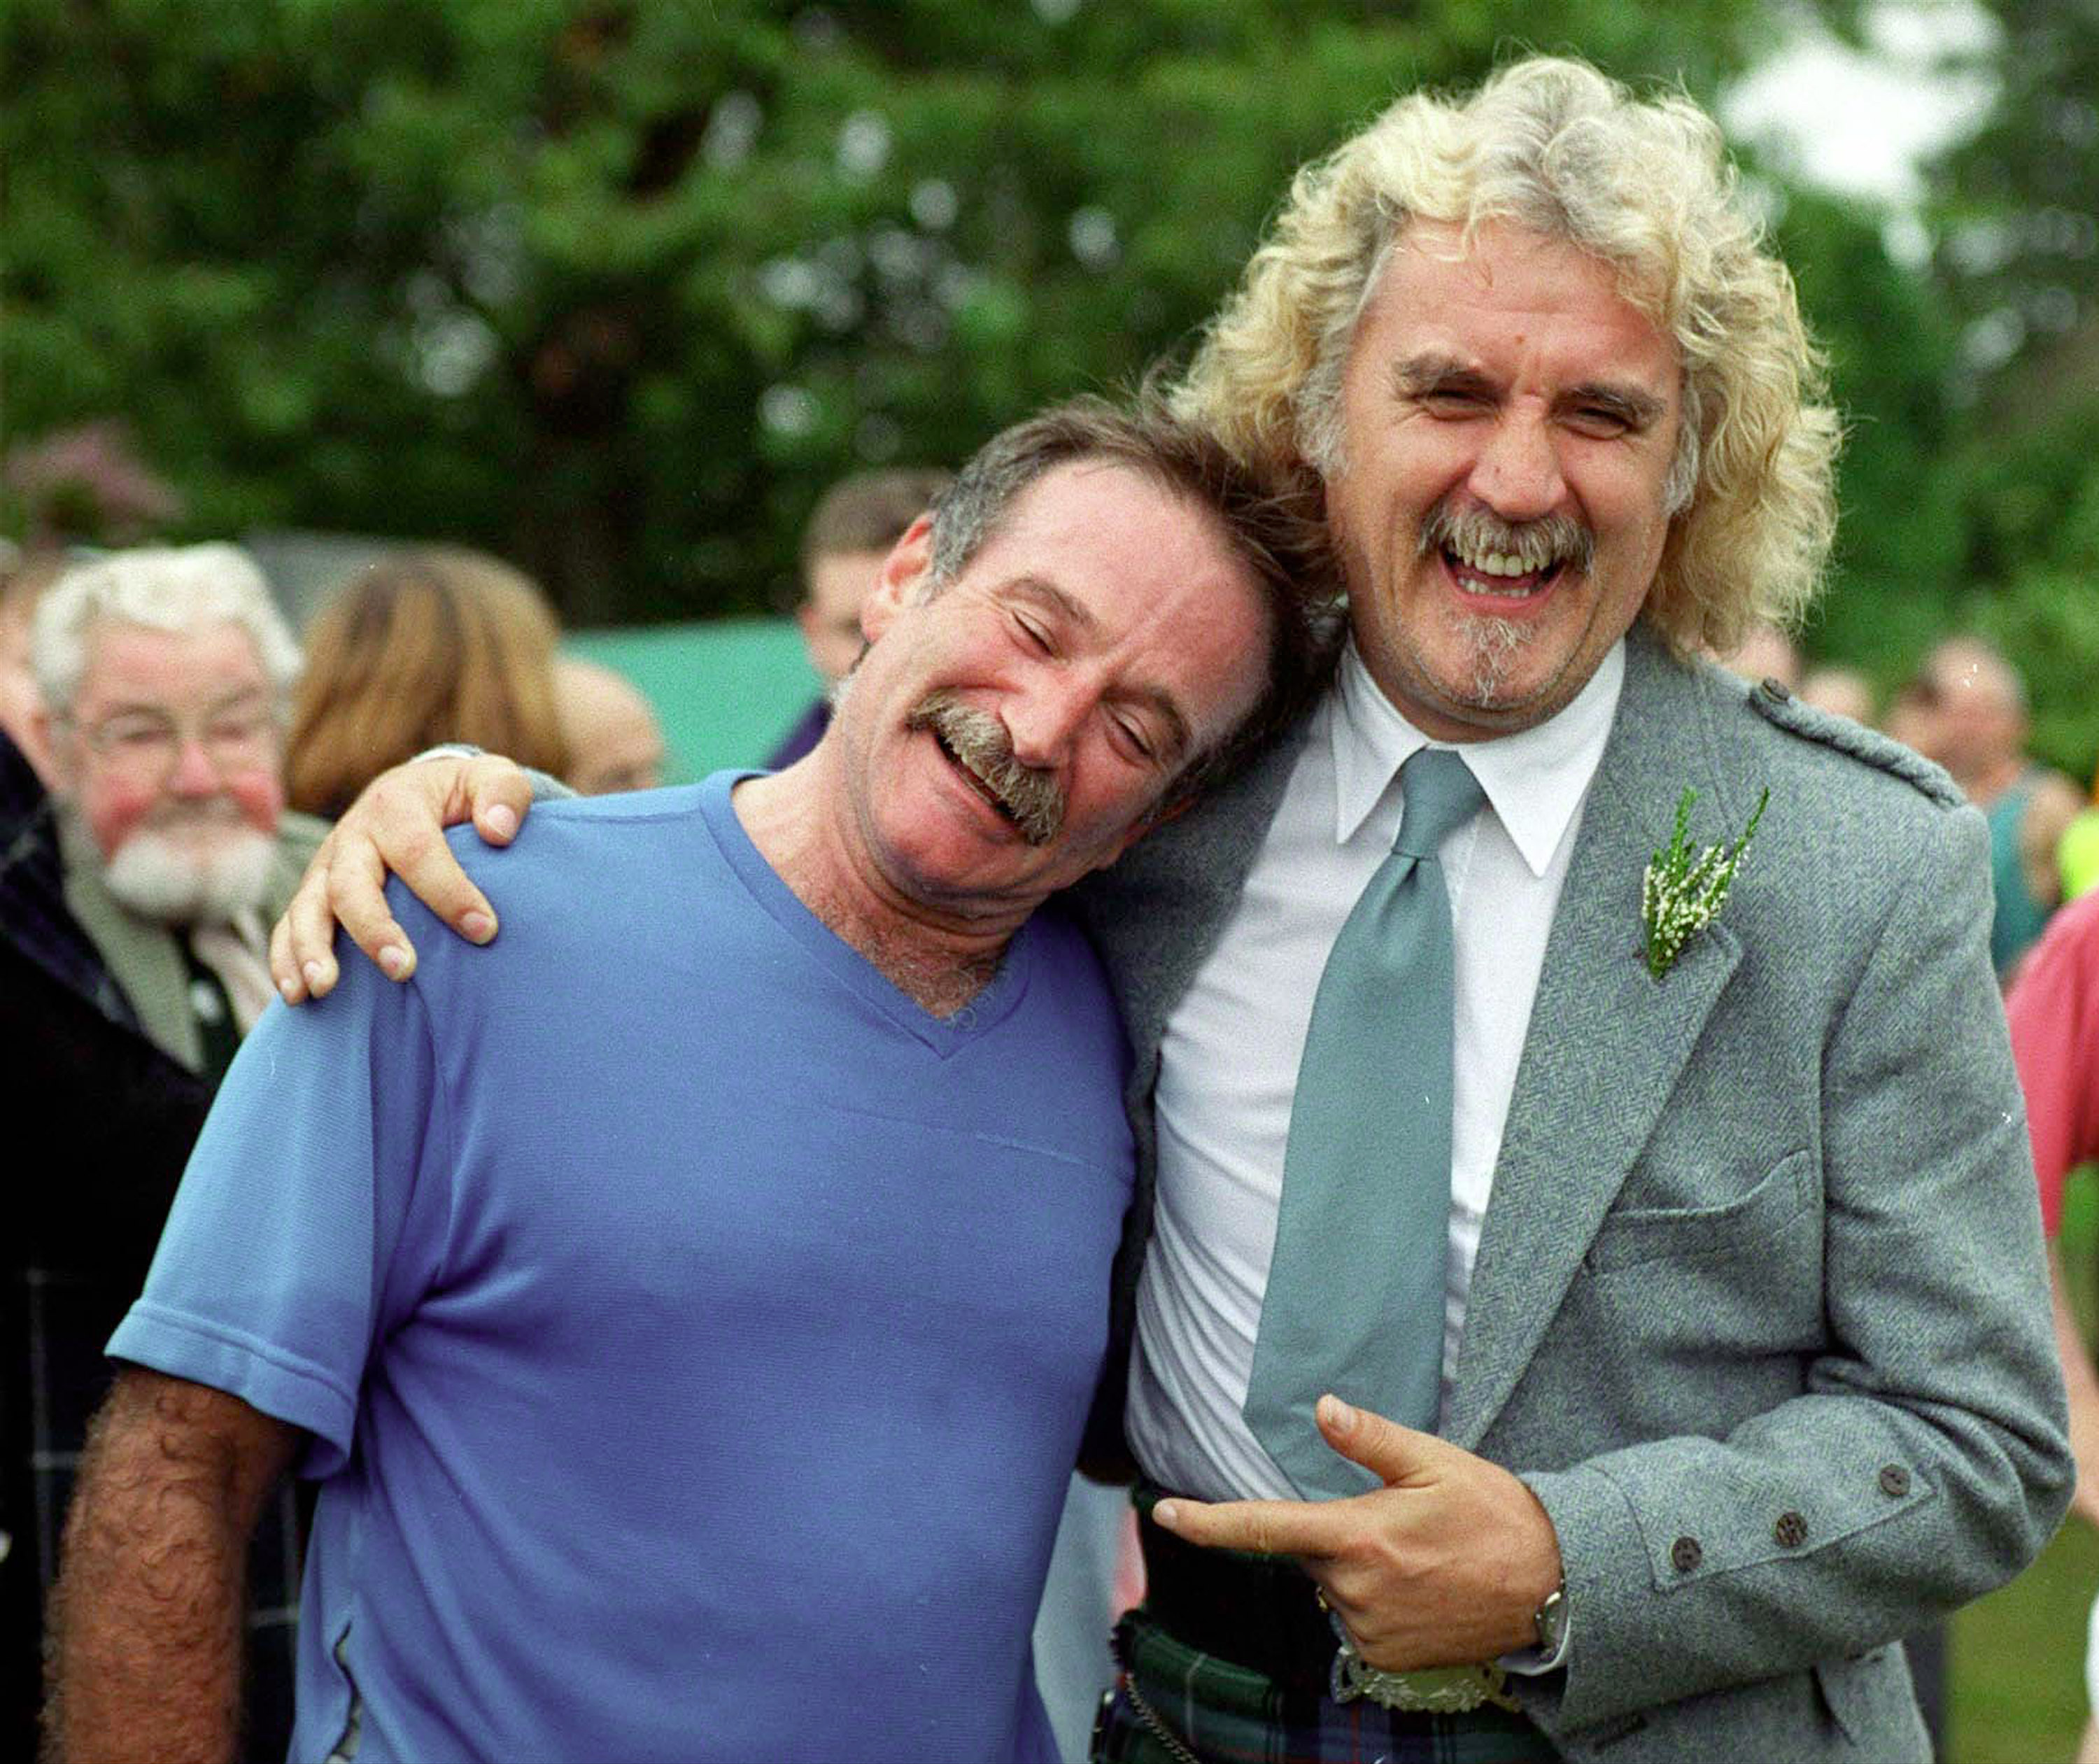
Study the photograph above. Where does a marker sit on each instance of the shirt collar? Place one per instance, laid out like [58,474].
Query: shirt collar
[1535,778]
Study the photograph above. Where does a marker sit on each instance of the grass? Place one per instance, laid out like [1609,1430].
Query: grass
[2016,1693]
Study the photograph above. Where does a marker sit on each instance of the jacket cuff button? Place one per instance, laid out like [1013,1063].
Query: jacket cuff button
[1791,1530]
[1895,1480]
[1685,1554]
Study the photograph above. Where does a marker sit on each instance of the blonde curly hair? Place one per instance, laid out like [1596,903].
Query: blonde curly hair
[1552,146]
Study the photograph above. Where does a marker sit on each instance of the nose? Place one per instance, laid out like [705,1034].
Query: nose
[1042,721]
[1517,473]
[195,773]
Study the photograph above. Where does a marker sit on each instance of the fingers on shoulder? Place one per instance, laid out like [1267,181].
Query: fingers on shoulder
[498,794]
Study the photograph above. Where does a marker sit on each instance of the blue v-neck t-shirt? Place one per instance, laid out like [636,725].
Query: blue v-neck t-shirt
[695,1335]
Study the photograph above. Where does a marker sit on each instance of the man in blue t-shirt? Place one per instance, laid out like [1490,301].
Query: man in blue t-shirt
[736,1426]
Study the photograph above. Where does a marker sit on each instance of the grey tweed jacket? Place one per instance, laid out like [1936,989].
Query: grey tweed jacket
[1759,1311]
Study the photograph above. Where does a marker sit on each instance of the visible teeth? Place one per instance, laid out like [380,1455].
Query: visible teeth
[984,788]
[1496,564]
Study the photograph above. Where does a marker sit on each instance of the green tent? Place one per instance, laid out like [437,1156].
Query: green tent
[725,690]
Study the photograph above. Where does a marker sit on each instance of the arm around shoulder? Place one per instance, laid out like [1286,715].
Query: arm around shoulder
[396,827]
[146,1616]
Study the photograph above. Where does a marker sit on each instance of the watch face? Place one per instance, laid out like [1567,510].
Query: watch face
[1552,1621]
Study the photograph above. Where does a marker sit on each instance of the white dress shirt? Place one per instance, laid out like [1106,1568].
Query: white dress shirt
[1229,1056]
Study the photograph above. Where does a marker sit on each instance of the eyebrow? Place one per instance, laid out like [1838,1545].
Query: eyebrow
[1637,409]
[1180,738]
[1426,373]
[233,700]
[1431,372]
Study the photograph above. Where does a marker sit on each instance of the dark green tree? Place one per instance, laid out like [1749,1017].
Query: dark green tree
[615,288]
[2016,220]
[2017,215]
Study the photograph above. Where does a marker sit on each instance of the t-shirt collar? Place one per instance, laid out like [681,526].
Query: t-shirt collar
[1535,778]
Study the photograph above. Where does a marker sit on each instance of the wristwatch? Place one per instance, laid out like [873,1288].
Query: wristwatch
[1551,1621]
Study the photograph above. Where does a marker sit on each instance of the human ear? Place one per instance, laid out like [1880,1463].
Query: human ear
[904,572]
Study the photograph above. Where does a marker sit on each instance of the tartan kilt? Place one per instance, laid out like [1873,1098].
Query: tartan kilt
[1225,1713]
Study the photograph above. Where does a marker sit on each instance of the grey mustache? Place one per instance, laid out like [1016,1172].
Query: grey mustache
[978,739]
[1551,539]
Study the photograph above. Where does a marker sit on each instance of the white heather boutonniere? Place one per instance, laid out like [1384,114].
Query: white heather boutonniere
[1682,895]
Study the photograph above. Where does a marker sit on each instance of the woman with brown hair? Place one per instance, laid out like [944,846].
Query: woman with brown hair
[436,645]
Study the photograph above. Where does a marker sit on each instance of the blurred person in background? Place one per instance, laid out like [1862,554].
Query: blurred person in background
[134,905]
[23,576]
[163,675]
[1976,728]
[1843,692]
[614,742]
[2054,1008]
[1911,715]
[77,1071]
[436,645]
[1766,652]
[850,530]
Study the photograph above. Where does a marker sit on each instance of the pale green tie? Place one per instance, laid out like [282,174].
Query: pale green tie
[1355,1297]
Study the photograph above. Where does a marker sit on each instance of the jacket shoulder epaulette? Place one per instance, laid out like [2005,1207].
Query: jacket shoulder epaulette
[1777,706]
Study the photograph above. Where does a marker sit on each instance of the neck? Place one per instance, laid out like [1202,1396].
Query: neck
[940,960]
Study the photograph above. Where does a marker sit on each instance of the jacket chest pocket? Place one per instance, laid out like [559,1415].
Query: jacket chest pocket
[1708,1287]
[1771,1215]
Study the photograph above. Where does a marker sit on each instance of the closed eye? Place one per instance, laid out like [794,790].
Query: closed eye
[1134,739]
[1453,401]
[1032,634]
[1606,413]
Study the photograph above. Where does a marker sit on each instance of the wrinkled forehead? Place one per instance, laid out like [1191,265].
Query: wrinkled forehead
[1467,241]
[150,664]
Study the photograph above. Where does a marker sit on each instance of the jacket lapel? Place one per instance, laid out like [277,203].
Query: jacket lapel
[1157,913]
[1606,1043]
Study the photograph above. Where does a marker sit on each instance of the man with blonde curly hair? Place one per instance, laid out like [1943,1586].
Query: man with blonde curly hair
[1721,1220]
[1714,1354]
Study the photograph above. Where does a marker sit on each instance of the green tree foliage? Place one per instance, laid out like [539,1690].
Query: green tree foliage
[1895,580]
[2018,215]
[615,288]
[2016,263]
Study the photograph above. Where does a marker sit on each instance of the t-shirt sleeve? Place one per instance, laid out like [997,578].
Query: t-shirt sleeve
[2052,1024]
[311,1216]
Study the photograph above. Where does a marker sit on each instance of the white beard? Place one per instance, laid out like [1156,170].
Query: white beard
[192,880]
[1494,644]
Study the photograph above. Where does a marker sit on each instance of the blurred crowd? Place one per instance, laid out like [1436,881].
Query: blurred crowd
[1964,707]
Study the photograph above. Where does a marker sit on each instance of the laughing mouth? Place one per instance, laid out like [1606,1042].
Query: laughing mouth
[975,780]
[1499,577]
[1503,560]
[975,744]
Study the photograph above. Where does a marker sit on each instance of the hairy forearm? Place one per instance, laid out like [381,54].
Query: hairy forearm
[146,1616]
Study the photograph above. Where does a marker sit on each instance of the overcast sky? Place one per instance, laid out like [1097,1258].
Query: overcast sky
[1860,122]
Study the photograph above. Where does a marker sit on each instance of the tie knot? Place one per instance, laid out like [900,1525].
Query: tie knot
[1442,795]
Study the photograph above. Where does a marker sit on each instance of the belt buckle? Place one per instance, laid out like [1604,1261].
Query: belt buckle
[1426,1690]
